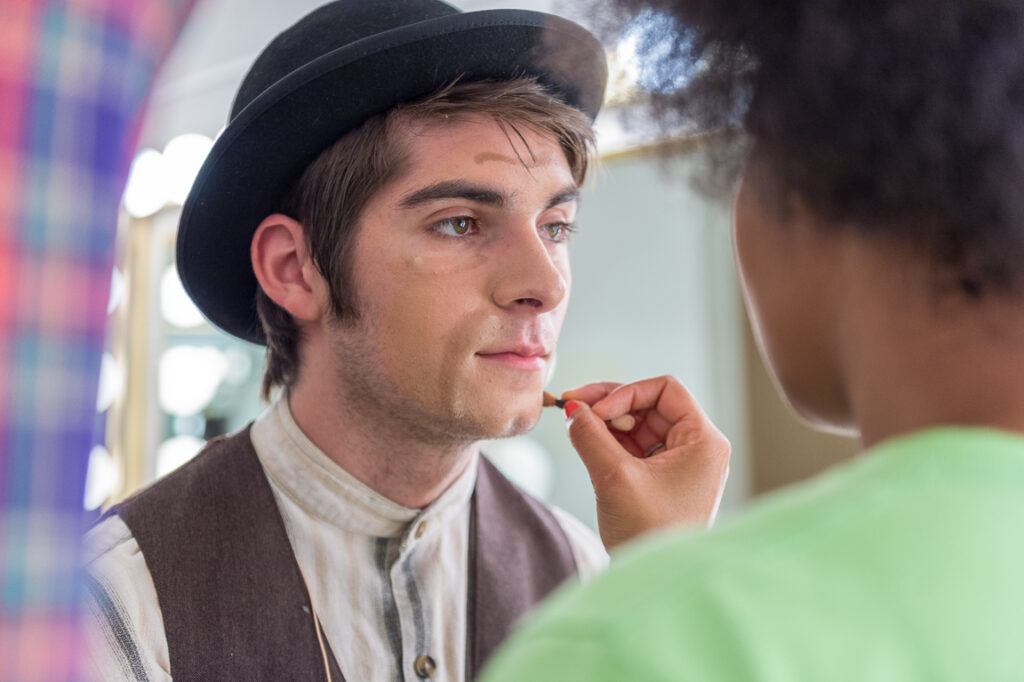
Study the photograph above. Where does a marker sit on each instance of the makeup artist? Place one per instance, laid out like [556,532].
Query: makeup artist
[389,212]
[879,232]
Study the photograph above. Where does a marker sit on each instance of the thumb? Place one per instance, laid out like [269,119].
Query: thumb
[597,447]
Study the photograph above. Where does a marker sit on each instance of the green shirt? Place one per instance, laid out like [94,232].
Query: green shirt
[906,564]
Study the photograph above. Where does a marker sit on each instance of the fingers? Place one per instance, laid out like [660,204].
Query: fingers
[629,444]
[670,469]
[663,395]
[591,393]
[626,422]
[641,437]
[646,437]
[602,452]
[661,411]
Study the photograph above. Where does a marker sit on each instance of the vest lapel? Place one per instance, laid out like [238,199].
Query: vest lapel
[232,597]
[518,554]
[233,600]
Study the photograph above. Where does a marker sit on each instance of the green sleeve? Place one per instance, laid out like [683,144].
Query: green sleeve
[648,619]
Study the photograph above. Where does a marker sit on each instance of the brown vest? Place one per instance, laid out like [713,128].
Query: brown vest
[233,600]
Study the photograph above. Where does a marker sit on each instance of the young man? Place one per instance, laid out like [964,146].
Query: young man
[388,211]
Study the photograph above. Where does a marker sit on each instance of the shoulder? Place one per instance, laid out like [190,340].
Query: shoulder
[124,627]
[711,606]
[112,556]
[108,537]
[165,514]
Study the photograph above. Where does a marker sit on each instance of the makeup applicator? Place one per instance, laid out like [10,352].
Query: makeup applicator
[551,401]
[625,423]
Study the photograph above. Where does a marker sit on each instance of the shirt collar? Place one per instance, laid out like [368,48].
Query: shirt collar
[314,482]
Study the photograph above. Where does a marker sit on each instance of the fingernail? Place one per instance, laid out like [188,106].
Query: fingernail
[570,408]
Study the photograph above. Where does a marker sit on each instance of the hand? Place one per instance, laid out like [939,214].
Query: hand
[669,470]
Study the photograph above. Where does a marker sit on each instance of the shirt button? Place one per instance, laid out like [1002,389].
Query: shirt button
[421,529]
[425,666]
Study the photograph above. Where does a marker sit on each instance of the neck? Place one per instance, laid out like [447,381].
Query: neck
[395,464]
[917,360]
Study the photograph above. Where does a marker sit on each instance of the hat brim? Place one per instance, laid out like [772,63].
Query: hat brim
[268,145]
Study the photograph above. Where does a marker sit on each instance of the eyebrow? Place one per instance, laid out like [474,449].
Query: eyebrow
[570,193]
[461,189]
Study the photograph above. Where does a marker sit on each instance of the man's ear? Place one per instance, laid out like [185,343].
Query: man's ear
[285,270]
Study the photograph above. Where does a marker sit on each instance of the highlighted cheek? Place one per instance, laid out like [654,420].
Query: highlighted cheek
[446,263]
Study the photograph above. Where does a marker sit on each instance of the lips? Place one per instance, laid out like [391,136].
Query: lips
[525,350]
[516,361]
[520,356]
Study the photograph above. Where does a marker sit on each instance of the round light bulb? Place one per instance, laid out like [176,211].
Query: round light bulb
[102,479]
[111,383]
[189,378]
[174,452]
[116,290]
[146,191]
[183,157]
[175,305]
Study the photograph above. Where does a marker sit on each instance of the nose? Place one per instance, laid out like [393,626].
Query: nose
[531,276]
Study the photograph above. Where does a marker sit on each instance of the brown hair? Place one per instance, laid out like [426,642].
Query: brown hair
[331,194]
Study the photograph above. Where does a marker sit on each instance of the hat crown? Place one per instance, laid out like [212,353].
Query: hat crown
[326,29]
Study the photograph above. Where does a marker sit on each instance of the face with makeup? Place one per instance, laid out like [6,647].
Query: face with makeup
[461,268]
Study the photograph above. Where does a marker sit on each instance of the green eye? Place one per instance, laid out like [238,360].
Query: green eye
[459,226]
[557,232]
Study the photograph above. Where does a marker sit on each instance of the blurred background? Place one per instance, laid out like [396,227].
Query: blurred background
[655,290]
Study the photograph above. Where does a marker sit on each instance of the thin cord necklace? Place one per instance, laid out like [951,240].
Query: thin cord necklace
[316,626]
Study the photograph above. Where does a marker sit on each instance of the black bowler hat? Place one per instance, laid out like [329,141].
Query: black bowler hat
[337,67]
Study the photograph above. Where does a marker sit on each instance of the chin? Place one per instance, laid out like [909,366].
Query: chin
[507,424]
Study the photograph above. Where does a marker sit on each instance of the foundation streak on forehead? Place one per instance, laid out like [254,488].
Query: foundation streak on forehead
[484,157]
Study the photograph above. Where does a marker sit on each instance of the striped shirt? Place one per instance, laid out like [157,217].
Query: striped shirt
[388,582]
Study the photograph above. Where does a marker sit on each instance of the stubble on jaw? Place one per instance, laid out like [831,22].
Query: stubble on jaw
[373,397]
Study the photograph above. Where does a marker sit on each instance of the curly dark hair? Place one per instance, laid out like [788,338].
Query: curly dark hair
[901,118]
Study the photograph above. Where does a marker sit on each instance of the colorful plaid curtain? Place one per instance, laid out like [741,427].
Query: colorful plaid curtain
[74,77]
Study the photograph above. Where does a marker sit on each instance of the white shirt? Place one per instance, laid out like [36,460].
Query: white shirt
[385,591]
